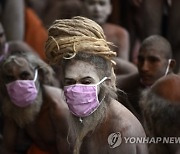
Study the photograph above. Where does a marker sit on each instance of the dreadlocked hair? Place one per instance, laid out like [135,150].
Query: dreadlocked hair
[67,37]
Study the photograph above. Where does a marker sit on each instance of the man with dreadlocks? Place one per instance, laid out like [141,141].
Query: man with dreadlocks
[97,123]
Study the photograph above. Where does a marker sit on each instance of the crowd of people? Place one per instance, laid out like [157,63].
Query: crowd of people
[87,76]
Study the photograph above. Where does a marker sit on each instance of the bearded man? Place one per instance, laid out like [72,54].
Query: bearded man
[28,102]
[97,122]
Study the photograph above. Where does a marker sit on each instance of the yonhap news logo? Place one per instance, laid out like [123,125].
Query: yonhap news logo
[116,139]
[155,140]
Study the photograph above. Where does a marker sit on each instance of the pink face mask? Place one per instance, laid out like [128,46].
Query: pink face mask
[22,92]
[82,99]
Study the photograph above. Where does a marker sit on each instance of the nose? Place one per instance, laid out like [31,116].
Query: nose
[145,66]
[97,8]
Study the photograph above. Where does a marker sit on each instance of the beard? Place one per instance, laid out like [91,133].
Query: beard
[78,129]
[25,115]
[158,113]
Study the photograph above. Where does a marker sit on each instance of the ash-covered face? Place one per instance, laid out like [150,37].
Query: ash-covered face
[97,10]
[17,68]
[80,72]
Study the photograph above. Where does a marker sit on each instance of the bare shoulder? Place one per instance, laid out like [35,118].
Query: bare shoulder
[55,96]
[53,90]
[116,29]
[128,81]
[124,121]
[122,126]
[58,108]
[59,111]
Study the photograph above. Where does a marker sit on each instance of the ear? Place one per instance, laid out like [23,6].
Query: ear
[108,81]
[111,81]
[172,64]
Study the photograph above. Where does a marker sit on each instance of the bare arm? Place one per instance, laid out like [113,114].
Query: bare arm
[60,125]
[13,19]
[59,114]
[123,38]
[124,67]
[129,127]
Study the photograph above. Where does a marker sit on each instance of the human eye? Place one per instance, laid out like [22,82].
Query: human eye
[153,59]
[87,80]
[69,82]
[25,75]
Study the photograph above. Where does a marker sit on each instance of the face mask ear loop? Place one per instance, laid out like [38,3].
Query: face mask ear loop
[36,74]
[105,78]
[167,69]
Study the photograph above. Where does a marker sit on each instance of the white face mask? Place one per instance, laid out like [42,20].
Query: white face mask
[168,66]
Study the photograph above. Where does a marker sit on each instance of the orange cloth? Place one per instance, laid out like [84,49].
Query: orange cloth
[35,33]
[35,150]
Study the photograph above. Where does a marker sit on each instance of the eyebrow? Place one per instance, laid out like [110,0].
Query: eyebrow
[87,77]
[150,56]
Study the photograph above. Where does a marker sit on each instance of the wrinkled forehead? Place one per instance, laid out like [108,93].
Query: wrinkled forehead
[80,69]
